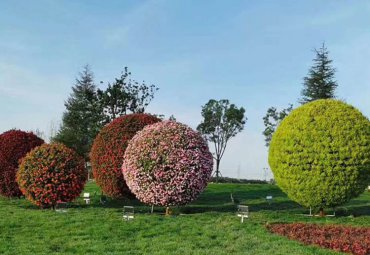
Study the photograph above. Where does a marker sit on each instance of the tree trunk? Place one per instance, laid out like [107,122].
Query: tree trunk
[168,211]
[217,169]
[322,213]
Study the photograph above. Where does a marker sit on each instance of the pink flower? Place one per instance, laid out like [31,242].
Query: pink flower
[167,163]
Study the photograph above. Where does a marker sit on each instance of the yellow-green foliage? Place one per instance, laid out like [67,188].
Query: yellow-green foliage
[320,153]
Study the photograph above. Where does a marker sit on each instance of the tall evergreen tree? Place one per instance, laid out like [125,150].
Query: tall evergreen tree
[83,117]
[320,82]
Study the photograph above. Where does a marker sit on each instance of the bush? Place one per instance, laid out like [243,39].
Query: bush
[236,180]
[339,238]
[108,150]
[14,145]
[167,164]
[51,173]
[320,154]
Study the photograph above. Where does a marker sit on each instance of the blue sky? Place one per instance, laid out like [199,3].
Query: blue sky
[254,53]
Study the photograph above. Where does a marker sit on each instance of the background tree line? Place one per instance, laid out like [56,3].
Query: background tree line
[89,108]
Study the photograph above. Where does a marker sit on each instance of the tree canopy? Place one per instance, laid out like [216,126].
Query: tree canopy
[124,96]
[272,120]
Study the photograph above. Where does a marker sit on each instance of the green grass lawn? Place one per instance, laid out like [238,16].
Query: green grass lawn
[207,226]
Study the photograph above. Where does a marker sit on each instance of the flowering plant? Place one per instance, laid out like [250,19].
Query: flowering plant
[51,173]
[14,145]
[167,164]
[108,150]
[353,240]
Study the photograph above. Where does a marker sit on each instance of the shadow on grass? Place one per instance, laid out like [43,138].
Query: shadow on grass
[217,198]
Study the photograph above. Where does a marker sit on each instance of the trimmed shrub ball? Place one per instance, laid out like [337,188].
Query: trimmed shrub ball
[167,164]
[320,154]
[108,150]
[51,173]
[14,145]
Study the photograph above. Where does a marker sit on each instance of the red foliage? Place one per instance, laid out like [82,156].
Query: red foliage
[14,145]
[51,173]
[108,150]
[353,240]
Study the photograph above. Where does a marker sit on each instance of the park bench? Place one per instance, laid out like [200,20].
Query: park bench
[87,198]
[243,212]
[128,213]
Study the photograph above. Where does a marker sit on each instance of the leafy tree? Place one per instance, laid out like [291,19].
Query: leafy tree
[320,82]
[125,96]
[272,119]
[221,122]
[83,117]
[172,118]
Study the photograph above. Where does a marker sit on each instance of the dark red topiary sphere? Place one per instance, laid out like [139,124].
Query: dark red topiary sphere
[109,148]
[51,173]
[14,145]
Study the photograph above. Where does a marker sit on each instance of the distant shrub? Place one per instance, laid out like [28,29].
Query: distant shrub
[108,150]
[320,154]
[14,145]
[167,164]
[339,238]
[235,180]
[51,173]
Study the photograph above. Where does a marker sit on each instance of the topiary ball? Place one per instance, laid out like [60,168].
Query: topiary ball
[167,164]
[320,154]
[108,150]
[14,145]
[51,173]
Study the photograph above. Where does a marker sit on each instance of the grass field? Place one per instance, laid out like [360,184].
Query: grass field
[207,226]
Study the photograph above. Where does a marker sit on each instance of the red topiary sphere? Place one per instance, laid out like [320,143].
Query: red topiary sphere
[167,164]
[108,150]
[14,145]
[51,173]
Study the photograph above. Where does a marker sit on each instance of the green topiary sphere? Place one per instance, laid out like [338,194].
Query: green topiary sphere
[320,154]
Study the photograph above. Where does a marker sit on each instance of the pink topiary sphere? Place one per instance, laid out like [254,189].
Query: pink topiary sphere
[167,164]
